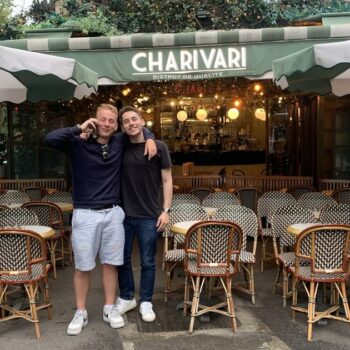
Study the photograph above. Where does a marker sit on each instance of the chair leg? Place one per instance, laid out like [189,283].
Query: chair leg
[51,244]
[345,300]
[47,298]
[186,295]
[294,296]
[311,310]
[263,253]
[285,285]
[33,310]
[230,304]
[195,303]
[278,276]
[251,282]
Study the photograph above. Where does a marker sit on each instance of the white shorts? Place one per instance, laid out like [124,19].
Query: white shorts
[96,231]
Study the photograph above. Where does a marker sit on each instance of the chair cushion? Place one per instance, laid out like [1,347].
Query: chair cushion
[286,258]
[266,232]
[207,270]
[245,257]
[305,274]
[175,255]
[37,274]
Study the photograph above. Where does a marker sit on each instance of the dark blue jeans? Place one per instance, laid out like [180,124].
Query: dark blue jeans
[146,232]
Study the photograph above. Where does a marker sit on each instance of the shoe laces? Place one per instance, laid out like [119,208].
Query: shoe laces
[147,307]
[79,316]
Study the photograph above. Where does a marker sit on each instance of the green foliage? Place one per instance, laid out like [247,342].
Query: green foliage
[170,16]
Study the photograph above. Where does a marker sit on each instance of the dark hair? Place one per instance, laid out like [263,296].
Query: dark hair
[127,109]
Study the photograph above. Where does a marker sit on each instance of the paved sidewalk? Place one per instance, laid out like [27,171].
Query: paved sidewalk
[266,325]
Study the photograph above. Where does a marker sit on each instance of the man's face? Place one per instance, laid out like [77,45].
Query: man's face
[132,123]
[107,123]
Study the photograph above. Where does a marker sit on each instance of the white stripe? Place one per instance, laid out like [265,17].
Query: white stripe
[248,35]
[38,44]
[294,33]
[122,41]
[205,38]
[79,43]
[340,30]
[163,39]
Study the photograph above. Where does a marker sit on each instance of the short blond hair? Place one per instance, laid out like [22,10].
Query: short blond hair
[108,107]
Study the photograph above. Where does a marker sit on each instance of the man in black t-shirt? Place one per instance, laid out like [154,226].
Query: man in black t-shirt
[141,183]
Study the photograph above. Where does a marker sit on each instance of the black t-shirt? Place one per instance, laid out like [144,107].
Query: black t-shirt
[142,178]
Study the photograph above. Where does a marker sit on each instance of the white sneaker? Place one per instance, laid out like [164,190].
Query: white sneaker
[124,305]
[112,316]
[146,310]
[80,320]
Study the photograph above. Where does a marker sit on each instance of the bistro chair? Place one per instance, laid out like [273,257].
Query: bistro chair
[209,248]
[298,190]
[285,257]
[247,220]
[342,195]
[267,204]
[201,193]
[14,197]
[326,248]
[23,263]
[336,214]
[17,217]
[248,196]
[35,193]
[49,214]
[238,172]
[220,199]
[315,201]
[64,197]
[183,198]
[173,253]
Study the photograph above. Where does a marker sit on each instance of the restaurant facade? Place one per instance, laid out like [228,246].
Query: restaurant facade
[209,95]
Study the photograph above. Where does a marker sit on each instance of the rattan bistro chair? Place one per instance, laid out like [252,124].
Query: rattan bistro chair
[315,200]
[35,193]
[267,204]
[23,262]
[173,253]
[183,198]
[247,220]
[336,214]
[220,199]
[209,248]
[49,214]
[281,219]
[326,248]
[17,217]
[342,195]
[201,193]
[14,197]
[248,196]
[298,190]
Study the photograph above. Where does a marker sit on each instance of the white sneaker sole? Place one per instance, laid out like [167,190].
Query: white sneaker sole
[148,318]
[76,331]
[119,324]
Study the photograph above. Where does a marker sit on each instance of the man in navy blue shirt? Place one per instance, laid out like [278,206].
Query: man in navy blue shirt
[97,224]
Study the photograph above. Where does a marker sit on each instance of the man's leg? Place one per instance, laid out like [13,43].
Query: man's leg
[109,281]
[147,236]
[81,284]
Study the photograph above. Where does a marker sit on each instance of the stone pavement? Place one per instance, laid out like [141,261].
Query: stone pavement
[266,325]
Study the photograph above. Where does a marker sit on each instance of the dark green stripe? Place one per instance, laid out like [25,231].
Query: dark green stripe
[318,32]
[16,44]
[100,43]
[226,37]
[60,44]
[141,40]
[272,34]
[184,39]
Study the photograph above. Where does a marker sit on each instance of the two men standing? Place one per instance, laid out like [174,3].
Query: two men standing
[97,225]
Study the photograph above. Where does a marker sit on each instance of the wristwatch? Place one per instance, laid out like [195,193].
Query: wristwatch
[166,210]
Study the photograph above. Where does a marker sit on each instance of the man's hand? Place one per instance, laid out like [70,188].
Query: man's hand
[163,220]
[88,127]
[150,149]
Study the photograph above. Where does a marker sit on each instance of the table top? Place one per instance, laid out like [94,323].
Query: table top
[44,231]
[64,206]
[210,211]
[296,229]
[182,227]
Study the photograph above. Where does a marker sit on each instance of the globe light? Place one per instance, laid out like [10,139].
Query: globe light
[201,114]
[233,113]
[181,116]
[260,114]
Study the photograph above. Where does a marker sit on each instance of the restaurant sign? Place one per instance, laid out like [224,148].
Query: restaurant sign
[189,63]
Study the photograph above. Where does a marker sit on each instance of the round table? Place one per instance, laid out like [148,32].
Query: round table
[45,232]
[182,227]
[296,229]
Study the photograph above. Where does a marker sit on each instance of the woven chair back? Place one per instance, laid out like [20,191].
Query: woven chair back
[248,196]
[19,251]
[286,216]
[342,195]
[61,197]
[35,193]
[244,217]
[18,217]
[299,190]
[14,196]
[183,198]
[336,214]
[49,214]
[184,212]
[220,199]
[326,247]
[315,200]
[201,193]
[212,244]
[270,201]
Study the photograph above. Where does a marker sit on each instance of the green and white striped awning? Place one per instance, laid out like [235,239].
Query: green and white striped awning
[190,56]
